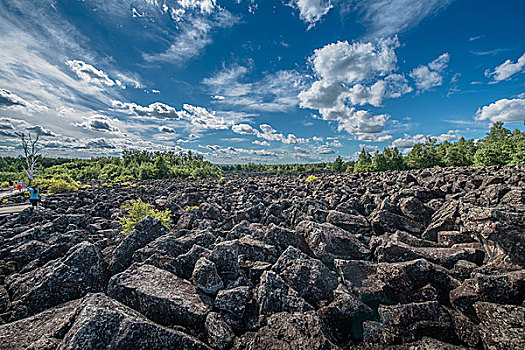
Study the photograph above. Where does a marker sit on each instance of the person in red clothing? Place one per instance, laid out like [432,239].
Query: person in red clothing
[19,186]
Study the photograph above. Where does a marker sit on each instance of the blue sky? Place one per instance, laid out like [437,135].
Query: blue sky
[252,80]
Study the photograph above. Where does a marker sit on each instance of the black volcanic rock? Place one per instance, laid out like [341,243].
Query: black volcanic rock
[329,242]
[80,272]
[145,231]
[287,331]
[310,278]
[417,259]
[160,295]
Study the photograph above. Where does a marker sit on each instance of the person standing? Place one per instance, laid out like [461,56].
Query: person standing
[19,186]
[11,185]
[35,195]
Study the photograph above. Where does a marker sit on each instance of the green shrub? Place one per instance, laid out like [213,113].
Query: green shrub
[138,210]
[59,184]
[312,178]
[4,184]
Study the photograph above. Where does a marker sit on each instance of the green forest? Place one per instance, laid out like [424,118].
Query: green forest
[500,146]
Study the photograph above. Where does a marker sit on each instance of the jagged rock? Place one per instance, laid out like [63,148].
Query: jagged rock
[413,208]
[446,257]
[466,331]
[463,269]
[310,278]
[283,238]
[62,222]
[450,238]
[329,242]
[444,219]
[502,326]
[81,271]
[213,213]
[386,221]
[410,322]
[508,288]
[225,255]
[411,240]
[219,333]
[160,295]
[285,331]
[4,300]
[255,250]
[27,252]
[48,326]
[273,295]
[185,263]
[105,323]
[355,224]
[345,315]
[500,231]
[163,245]
[205,276]
[233,300]
[145,231]
[387,283]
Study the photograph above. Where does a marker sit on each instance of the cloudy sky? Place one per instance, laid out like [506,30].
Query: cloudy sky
[253,80]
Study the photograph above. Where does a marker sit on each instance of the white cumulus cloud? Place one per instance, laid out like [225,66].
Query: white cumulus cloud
[311,11]
[351,63]
[504,110]
[428,76]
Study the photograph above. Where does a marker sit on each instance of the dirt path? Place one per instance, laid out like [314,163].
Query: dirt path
[11,209]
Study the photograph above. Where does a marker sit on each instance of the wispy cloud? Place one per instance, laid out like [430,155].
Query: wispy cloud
[507,69]
[276,92]
[389,17]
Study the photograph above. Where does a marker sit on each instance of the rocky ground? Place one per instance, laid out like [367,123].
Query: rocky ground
[428,259]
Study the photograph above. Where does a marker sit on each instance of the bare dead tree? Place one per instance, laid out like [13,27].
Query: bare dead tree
[31,155]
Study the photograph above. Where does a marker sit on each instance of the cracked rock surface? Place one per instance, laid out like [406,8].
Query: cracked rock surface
[422,259]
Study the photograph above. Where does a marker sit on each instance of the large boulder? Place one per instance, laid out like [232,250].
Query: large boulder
[392,251]
[309,277]
[225,255]
[287,331]
[403,282]
[387,221]
[502,326]
[93,322]
[47,327]
[233,301]
[273,295]
[283,238]
[219,333]
[251,249]
[161,296]
[145,231]
[444,219]
[345,315]
[353,223]
[410,322]
[329,242]
[103,323]
[81,271]
[507,288]
[205,276]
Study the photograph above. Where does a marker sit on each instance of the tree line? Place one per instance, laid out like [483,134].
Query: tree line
[138,165]
[500,146]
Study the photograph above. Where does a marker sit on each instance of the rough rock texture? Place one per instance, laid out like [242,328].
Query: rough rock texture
[160,295]
[423,259]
